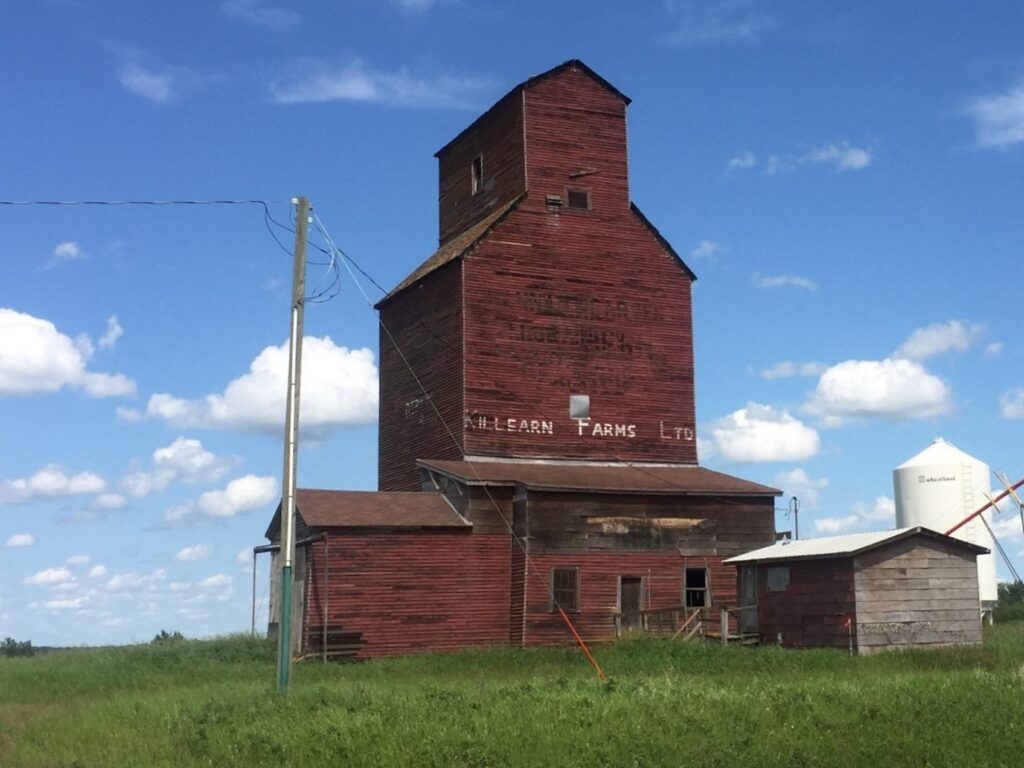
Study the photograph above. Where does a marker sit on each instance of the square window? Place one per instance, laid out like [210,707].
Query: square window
[578,199]
[695,588]
[476,172]
[565,589]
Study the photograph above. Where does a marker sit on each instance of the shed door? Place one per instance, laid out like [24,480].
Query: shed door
[631,594]
[748,597]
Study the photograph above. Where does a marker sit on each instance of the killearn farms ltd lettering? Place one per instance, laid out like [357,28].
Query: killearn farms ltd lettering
[605,429]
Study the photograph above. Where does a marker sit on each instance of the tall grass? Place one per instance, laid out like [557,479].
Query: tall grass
[668,704]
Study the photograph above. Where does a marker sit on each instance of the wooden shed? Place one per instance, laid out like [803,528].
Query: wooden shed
[868,592]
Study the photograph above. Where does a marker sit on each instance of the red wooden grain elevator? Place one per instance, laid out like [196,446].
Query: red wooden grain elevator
[548,282]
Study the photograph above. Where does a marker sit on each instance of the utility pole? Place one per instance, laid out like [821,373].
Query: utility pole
[794,510]
[291,445]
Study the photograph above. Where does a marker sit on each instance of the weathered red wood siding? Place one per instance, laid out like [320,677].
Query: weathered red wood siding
[413,592]
[812,611]
[426,321]
[497,137]
[599,584]
[576,125]
[561,301]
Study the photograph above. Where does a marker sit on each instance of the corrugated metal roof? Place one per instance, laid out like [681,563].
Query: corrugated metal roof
[372,509]
[840,546]
[453,249]
[622,478]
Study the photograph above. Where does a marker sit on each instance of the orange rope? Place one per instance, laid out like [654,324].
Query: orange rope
[583,645]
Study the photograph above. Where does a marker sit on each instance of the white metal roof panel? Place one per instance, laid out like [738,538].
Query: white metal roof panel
[832,546]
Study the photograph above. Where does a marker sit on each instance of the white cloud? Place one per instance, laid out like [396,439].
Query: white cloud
[129,415]
[742,160]
[787,370]
[1011,404]
[759,433]
[50,576]
[79,559]
[879,514]
[400,88]
[260,13]
[157,87]
[242,494]
[937,338]
[122,582]
[339,389]
[97,571]
[50,482]
[706,249]
[220,581]
[835,524]
[68,250]
[109,501]
[842,156]
[999,118]
[21,540]
[64,604]
[891,390]
[198,552]
[180,513]
[993,350]
[775,164]
[798,483]
[36,357]
[782,281]
[716,21]
[184,460]
[881,510]
[113,333]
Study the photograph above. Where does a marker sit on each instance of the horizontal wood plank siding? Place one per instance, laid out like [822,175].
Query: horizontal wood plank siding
[498,141]
[917,592]
[413,592]
[599,583]
[426,322]
[813,610]
[557,304]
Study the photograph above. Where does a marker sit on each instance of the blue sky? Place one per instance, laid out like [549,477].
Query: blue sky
[845,179]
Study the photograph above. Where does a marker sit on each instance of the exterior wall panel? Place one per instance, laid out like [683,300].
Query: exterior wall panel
[412,592]
[916,592]
[426,321]
[497,139]
[813,610]
[578,302]
[662,573]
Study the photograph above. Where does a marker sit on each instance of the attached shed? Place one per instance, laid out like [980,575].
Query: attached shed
[869,592]
[385,573]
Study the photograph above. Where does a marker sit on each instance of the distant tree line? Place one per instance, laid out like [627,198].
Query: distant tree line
[1011,602]
[10,648]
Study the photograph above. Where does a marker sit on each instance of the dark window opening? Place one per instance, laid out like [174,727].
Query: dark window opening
[578,199]
[565,589]
[695,587]
[476,171]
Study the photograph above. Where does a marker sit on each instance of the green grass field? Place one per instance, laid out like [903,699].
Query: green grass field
[212,703]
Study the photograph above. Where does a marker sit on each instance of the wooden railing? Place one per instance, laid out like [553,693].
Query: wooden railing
[678,621]
[671,621]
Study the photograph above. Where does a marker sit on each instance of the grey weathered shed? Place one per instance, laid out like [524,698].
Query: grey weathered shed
[866,591]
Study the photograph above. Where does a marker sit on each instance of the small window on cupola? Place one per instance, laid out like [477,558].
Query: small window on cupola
[476,171]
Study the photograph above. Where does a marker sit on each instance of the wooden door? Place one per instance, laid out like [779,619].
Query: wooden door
[631,601]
